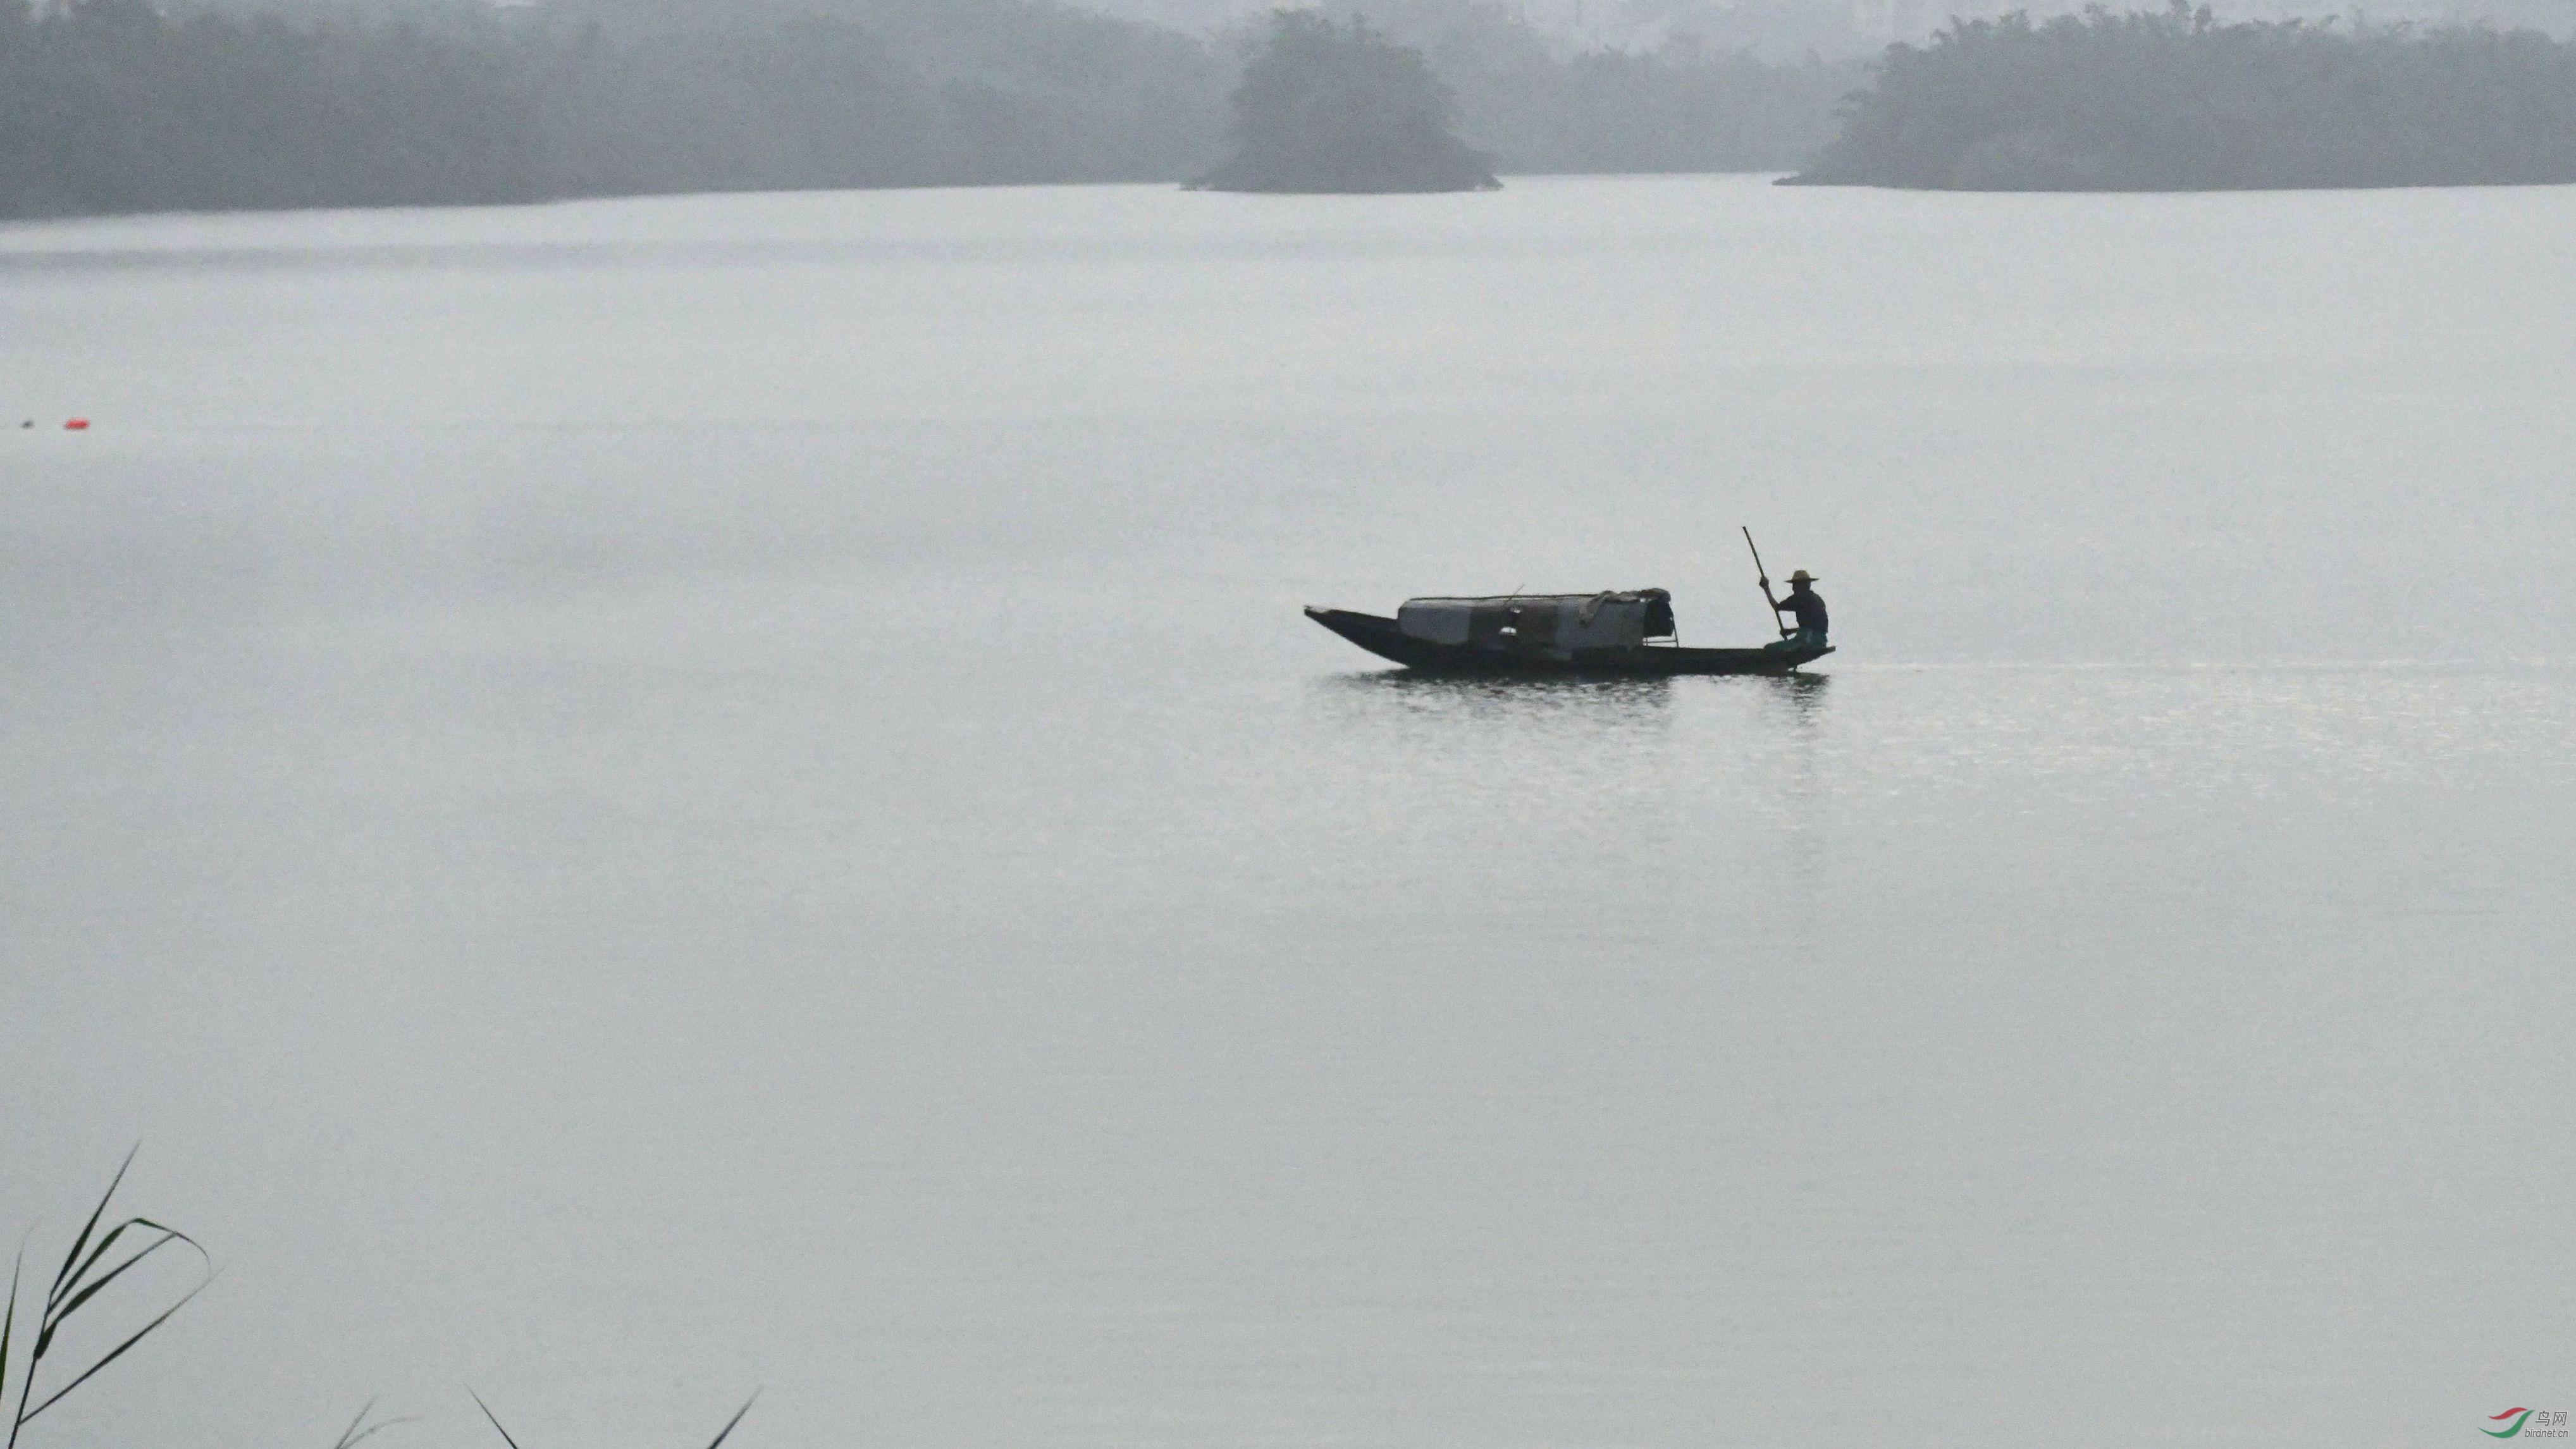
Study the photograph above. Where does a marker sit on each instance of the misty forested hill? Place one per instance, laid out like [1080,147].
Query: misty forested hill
[114,105]
[1329,106]
[109,106]
[2177,102]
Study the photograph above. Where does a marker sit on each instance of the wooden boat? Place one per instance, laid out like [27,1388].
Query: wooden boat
[1578,634]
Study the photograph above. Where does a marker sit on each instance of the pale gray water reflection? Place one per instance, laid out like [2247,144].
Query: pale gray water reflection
[641,799]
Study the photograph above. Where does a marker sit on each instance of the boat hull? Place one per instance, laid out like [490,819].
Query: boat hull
[1381,637]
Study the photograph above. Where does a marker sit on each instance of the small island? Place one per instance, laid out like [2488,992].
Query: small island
[1327,107]
[2174,101]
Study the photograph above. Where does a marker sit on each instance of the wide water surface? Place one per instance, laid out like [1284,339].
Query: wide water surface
[641,799]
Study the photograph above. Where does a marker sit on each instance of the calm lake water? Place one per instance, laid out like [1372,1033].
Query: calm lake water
[645,799]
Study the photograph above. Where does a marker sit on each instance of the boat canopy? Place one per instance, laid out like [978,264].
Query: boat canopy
[1553,624]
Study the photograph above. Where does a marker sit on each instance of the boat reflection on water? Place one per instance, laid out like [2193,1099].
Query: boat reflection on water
[1561,723]
[1550,703]
[1554,700]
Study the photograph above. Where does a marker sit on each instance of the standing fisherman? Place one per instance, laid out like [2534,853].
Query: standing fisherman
[1807,605]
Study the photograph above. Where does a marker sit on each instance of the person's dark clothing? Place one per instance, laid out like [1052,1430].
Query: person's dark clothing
[1808,606]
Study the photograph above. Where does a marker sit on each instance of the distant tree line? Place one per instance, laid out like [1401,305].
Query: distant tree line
[111,105]
[723,95]
[106,105]
[2174,101]
[117,105]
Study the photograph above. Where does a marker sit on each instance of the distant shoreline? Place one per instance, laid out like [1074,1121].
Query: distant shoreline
[1776,177]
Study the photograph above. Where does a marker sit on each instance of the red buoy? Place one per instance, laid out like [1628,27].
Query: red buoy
[77,425]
